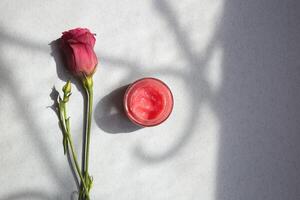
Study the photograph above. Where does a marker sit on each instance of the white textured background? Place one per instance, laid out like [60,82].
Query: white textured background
[234,69]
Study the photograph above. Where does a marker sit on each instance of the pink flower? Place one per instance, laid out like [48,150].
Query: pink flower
[78,48]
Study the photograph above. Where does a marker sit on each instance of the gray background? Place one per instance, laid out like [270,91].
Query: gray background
[233,67]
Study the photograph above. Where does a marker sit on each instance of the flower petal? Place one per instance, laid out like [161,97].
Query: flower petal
[85,58]
[87,38]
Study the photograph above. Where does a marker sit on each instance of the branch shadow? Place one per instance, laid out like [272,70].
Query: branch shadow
[62,181]
[259,135]
[12,39]
[195,81]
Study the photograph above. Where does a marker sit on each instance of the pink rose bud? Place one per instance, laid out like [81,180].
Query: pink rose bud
[78,48]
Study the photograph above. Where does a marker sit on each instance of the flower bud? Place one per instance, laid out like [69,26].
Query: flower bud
[78,48]
[67,91]
[67,87]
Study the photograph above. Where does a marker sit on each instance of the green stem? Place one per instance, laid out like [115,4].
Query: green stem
[89,120]
[88,86]
[65,126]
[77,166]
